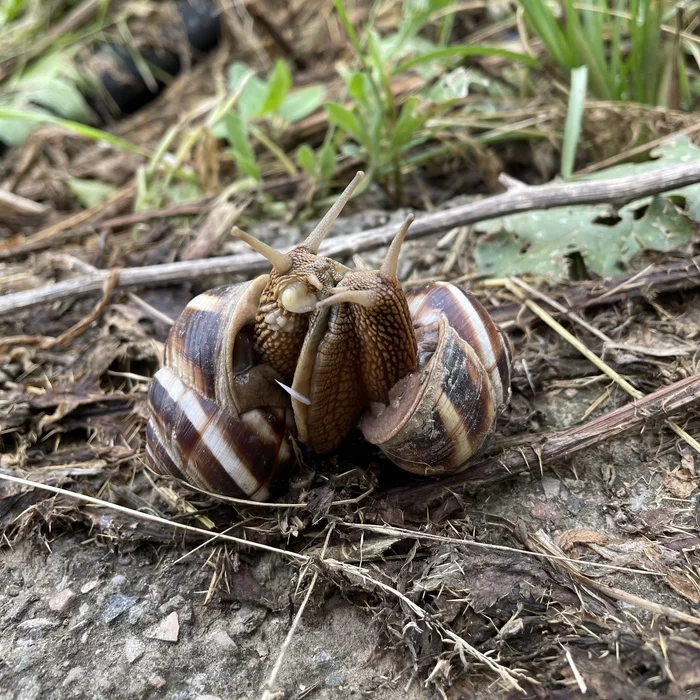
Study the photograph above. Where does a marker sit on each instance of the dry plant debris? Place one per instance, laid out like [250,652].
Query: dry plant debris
[565,563]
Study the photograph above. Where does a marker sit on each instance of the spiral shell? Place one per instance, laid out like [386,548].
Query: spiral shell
[204,427]
[439,417]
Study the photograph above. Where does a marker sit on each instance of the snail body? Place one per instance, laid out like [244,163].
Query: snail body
[314,349]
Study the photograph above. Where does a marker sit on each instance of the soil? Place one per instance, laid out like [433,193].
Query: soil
[94,604]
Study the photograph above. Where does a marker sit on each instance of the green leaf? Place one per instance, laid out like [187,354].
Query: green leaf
[538,241]
[237,135]
[574,115]
[254,94]
[90,192]
[242,151]
[278,86]
[327,159]
[461,51]
[407,124]
[359,88]
[306,158]
[344,119]
[36,117]
[301,103]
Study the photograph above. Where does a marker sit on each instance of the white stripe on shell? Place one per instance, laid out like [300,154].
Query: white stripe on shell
[209,432]
[205,302]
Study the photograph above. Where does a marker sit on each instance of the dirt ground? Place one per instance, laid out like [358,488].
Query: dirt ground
[96,604]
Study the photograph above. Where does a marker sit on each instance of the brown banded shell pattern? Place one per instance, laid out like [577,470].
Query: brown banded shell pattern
[473,324]
[439,417]
[195,432]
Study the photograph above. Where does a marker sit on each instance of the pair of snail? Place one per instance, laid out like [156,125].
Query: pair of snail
[314,349]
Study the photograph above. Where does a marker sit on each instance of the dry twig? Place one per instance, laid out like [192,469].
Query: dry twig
[519,199]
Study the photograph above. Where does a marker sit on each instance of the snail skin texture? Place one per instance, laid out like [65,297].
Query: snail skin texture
[314,349]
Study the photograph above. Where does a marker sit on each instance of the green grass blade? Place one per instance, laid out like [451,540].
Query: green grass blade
[89,132]
[461,51]
[574,116]
[340,9]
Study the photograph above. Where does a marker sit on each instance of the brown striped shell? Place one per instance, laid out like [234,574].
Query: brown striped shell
[440,416]
[218,421]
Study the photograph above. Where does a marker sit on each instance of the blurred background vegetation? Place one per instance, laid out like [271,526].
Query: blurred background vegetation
[280,102]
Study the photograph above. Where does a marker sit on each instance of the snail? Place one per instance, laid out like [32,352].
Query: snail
[313,349]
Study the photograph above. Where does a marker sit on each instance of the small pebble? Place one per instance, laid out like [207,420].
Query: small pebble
[222,639]
[550,486]
[37,623]
[134,649]
[62,601]
[156,681]
[90,585]
[207,697]
[177,601]
[118,604]
[73,675]
[18,608]
[167,630]
[323,658]
[334,679]
[118,580]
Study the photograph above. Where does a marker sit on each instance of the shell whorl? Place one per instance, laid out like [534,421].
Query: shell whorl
[439,417]
[196,431]
[472,322]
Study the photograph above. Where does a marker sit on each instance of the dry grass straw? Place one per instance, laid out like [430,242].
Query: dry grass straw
[518,288]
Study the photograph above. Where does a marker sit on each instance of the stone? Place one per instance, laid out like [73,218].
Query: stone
[118,580]
[20,605]
[118,604]
[334,679]
[37,623]
[323,658]
[177,601]
[76,673]
[222,639]
[62,601]
[156,681]
[550,486]
[167,630]
[90,585]
[134,649]
[207,697]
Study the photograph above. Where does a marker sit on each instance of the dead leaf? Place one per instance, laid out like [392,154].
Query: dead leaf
[569,538]
[685,585]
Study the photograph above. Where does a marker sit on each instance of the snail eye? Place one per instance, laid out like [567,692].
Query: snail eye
[298,298]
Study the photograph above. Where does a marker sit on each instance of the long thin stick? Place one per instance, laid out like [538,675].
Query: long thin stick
[518,199]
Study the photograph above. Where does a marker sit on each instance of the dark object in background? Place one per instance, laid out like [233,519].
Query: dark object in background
[121,78]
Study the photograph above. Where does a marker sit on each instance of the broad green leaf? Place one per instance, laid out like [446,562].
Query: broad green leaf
[327,159]
[240,145]
[277,88]
[409,121]
[538,241]
[306,159]
[301,103]
[27,116]
[344,119]
[254,94]
[359,88]
[237,135]
[58,96]
[89,192]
